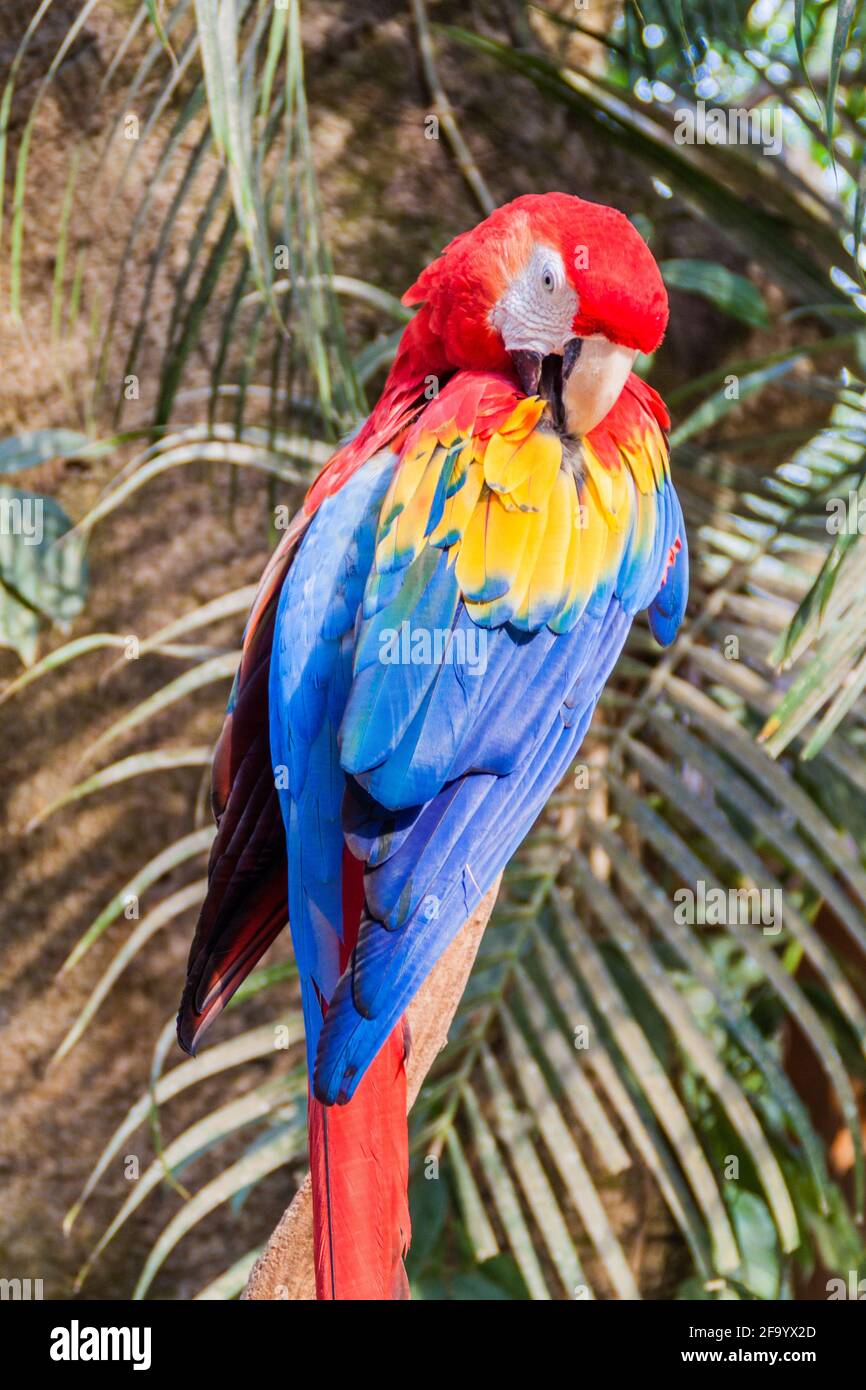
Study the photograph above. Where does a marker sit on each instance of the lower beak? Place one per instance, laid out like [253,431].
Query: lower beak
[546,376]
[527,367]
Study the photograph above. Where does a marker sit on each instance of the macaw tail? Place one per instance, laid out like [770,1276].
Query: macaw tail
[359,1162]
[360,1171]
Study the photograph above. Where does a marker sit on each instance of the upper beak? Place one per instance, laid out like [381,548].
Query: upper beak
[546,376]
[570,354]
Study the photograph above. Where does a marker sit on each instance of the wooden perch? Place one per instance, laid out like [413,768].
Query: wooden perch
[285,1267]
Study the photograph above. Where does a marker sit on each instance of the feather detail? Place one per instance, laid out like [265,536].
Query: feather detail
[534,471]
[491,550]
[245,907]
[536,536]
[359,1163]
[459,507]
[359,1153]
[547,577]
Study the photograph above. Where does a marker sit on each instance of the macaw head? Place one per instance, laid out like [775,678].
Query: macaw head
[563,292]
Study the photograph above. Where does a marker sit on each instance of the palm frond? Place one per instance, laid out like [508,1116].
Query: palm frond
[611,1055]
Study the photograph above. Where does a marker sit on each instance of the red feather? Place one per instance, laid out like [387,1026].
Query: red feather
[246,905]
[359,1162]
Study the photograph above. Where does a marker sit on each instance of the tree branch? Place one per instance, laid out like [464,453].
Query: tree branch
[284,1270]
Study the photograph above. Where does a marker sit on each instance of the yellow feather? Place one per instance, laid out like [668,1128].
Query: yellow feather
[536,461]
[543,452]
[408,532]
[647,459]
[405,481]
[547,581]
[659,456]
[647,519]
[461,465]
[523,418]
[447,434]
[586,555]
[504,608]
[498,456]
[386,550]
[491,552]
[640,465]
[459,508]
[611,488]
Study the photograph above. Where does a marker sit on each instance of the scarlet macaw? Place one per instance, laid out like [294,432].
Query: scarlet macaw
[512,483]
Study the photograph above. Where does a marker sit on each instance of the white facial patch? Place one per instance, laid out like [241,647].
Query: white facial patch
[536,311]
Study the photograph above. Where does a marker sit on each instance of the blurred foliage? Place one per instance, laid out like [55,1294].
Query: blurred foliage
[600,1040]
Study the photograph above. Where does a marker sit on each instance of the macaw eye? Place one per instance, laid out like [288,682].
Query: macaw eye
[548,280]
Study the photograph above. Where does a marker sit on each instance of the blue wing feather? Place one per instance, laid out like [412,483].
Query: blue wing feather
[390,965]
[431,771]
[311,672]
[667,609]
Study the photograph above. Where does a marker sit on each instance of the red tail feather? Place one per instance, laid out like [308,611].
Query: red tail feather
[359,1160]
[360,1169]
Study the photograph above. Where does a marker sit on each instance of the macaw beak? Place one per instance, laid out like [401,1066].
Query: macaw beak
[588,394]
[547,376]
[578,400]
